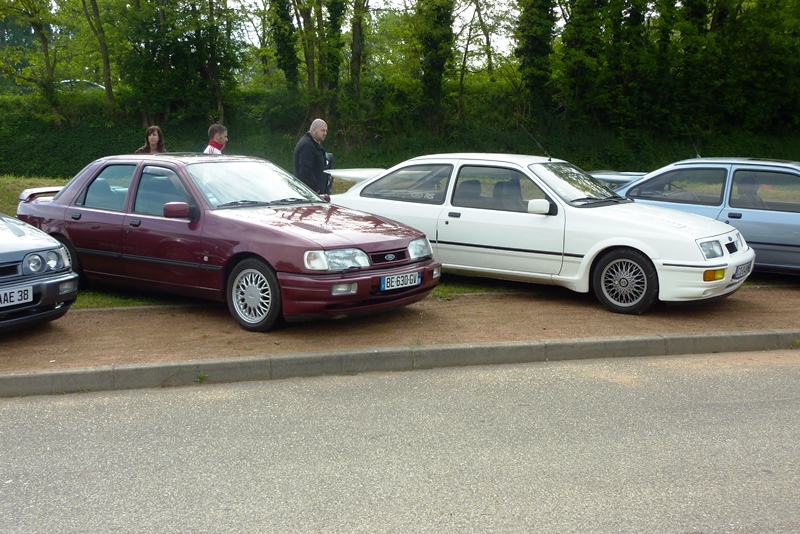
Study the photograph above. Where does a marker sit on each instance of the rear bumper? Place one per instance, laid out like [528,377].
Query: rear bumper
[307,297]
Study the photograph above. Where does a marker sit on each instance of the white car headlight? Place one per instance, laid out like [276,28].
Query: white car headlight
[335,260]
[35,263]
[419,248]
[42,262]
[711,249]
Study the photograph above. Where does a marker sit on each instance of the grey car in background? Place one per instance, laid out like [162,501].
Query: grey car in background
[37,283]
[759,197]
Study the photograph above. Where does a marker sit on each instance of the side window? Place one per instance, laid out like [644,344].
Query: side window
[157,186]
[109,189]
[766,190]
[687,186]
[494,188]
[424,184]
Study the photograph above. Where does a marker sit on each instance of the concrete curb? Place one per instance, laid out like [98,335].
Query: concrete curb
[223,370]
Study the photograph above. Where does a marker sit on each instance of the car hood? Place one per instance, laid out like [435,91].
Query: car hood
[324,224]
[665,219]
[18,237]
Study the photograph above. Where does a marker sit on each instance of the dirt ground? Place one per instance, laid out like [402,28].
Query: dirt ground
[86,338]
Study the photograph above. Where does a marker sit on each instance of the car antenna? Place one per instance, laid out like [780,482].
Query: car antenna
[696,152]
[549,157]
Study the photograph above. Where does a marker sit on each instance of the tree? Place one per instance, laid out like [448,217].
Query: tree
[434,30]
[39,68]
[92,13]
[535,31]
[181,56]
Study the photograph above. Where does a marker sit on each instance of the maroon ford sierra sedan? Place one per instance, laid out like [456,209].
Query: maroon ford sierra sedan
[233,229]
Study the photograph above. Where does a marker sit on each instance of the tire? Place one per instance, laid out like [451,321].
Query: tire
[625,281]
[254,296]
[73,257]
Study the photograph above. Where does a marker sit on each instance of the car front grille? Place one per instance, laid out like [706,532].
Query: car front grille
[732,248]
[389,257]
[9,270]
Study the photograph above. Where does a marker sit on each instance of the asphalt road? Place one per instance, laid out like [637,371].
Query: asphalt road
[707,443]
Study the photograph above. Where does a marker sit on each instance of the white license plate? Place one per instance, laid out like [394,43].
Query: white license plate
[16,295]
[401,280]
[742,270]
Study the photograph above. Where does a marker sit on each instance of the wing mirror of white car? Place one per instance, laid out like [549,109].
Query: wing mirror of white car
[539,205]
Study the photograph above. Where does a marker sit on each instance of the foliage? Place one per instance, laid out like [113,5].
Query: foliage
[402,78]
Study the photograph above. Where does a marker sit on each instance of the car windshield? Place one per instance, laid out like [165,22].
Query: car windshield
[233,184]
[573,184]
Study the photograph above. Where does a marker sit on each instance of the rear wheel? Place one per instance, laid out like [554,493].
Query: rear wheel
[254,296]
[625,281]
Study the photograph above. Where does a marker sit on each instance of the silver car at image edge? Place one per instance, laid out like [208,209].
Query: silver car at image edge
[37,283]
[544,220]
[758,197]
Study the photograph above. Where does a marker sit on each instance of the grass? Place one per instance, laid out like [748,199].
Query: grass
[106,297]
[12,186]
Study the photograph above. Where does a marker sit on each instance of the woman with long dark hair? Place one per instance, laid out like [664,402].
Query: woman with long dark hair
[153,141]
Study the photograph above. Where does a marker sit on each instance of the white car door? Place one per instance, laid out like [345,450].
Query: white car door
[485,227]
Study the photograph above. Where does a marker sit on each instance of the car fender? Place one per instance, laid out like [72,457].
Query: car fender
[576,271]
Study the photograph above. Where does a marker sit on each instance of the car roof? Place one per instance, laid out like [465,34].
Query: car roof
[739,161]
[520,159]
[183,157]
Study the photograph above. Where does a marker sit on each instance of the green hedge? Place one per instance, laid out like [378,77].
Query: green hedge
[36,143]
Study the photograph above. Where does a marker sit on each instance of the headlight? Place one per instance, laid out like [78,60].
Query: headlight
[335,260]
[40,262]
[711,249]
[419,248]
[35,263]
[52,260]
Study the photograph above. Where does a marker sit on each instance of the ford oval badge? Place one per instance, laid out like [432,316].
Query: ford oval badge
[389,257]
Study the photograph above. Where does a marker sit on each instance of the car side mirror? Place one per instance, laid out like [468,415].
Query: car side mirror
[180,210]
[539,206]
[325,196]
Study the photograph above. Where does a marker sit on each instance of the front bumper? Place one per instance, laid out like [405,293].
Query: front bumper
[311,296]
[680,283]
[52,298]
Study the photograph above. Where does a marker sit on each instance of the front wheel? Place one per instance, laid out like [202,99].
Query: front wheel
[625,281]
[254,296]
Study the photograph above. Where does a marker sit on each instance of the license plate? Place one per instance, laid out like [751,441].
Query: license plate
[401,280]
[16,295]
[742,270]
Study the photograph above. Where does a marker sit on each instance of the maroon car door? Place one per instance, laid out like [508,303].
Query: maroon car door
[94,221]
[166,251]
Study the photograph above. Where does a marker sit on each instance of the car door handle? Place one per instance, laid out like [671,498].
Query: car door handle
[735,215]
[75,216]
[454,214]
[135,223]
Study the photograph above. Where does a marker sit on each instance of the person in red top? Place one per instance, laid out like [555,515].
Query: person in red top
[153,141]
[217,138]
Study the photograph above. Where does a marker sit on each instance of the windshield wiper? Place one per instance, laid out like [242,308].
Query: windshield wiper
[239,203]
[290,200]
[589,199]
